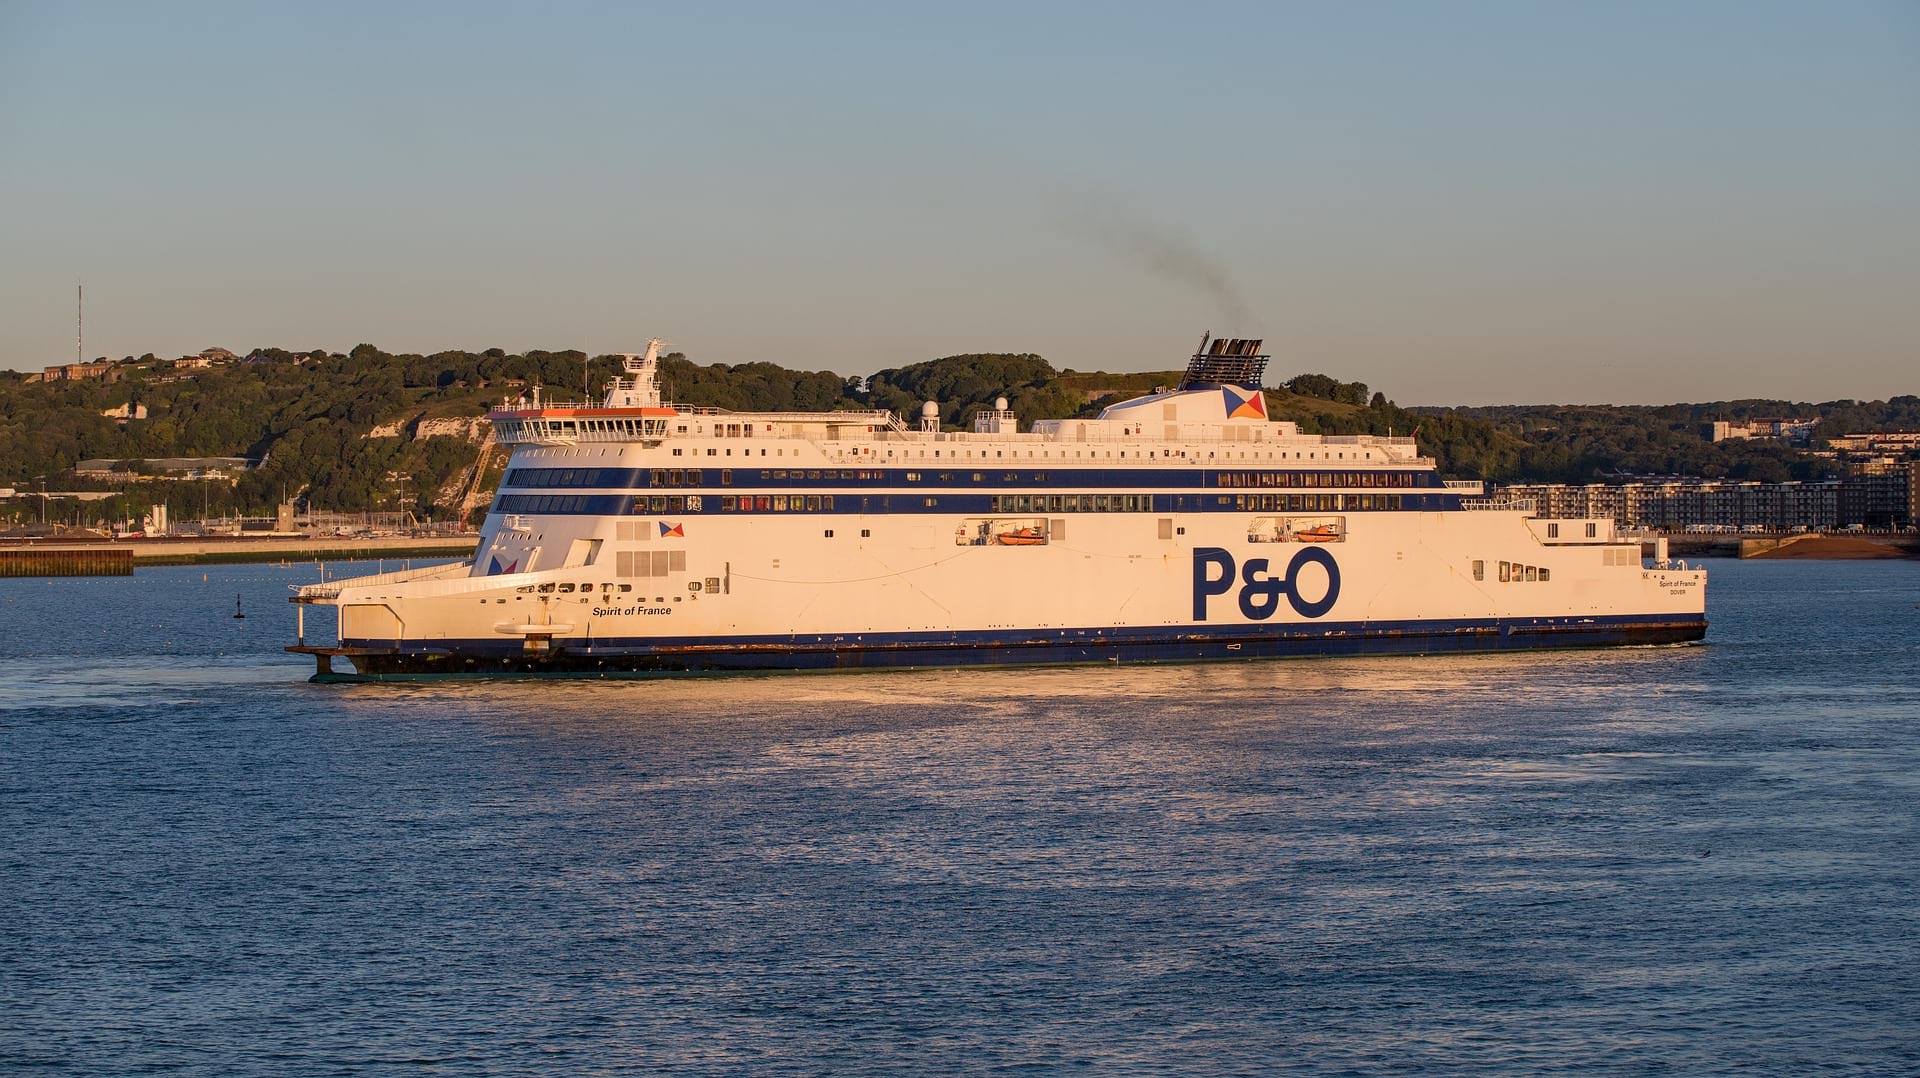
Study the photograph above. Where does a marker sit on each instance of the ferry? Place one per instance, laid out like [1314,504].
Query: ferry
[636,537]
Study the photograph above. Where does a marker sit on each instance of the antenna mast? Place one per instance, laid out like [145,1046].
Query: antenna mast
[79,322]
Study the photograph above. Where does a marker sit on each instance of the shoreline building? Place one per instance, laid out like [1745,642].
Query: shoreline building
[1678,503]
[1797,431]
[1885,496]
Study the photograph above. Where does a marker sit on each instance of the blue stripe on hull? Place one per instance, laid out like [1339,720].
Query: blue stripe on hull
[666,657]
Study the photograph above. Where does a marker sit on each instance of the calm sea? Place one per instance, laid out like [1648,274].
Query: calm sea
[1682,860]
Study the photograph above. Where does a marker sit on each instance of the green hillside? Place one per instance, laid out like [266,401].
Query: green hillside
[341,431]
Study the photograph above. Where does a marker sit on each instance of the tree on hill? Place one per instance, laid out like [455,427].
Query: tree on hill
[964,384]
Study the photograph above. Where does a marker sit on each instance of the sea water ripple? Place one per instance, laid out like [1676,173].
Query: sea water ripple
[1682,860]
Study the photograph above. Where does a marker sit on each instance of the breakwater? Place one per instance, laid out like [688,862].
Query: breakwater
[1848,547]
[1810,545]
[86,561]
[48,555]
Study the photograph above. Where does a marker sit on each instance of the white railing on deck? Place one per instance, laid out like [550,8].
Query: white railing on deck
[331,588]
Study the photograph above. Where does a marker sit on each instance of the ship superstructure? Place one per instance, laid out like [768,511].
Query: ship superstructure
[635,536]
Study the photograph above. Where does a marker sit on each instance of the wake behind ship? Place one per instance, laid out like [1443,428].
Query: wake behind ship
[638,537]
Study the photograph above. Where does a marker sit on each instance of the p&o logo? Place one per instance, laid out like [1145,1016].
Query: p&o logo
[1213,574]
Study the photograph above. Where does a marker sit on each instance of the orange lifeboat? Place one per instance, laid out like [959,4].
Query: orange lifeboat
[1325,533]
[1021,537]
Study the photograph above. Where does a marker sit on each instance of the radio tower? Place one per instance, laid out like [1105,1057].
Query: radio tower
[79,322]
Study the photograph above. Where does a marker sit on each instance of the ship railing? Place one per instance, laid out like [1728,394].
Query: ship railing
[330,589]
[1503,504]
[1467,484]
[875,418]
[1364,439]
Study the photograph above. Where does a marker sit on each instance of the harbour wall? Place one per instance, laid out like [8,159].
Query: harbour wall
[109,554]
[94,561]
[1811,545]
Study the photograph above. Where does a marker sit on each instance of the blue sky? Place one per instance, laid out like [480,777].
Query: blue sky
[1456,203]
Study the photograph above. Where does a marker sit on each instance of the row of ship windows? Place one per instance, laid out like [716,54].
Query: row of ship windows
[1513,572]
[633,428]
[1143,503]
[587,593]
[694,477]
[1168,455]
[1001,503]
[710,584]
[1274,503]
[774,503]
[1317,479]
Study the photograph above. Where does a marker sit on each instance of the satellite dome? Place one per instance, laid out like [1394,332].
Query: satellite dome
[999,404]
[931,409]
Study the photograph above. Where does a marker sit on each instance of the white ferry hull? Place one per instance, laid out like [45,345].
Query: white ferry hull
[907,595]
[639,539]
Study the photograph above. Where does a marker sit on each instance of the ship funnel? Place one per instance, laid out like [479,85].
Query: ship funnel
[1235,361]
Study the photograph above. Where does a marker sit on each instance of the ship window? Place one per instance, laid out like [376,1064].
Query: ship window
[931,502]
[1545,574]
[566,589]
[726,477]
[826,502]
[676,452]
[763,503]
[1533,573]
[866,533]
[1479,569]
[626,587]
[1593,531]
[813,503]
[1506,572]
[779,503]
[677,504]
[813,474]
[1553,531]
